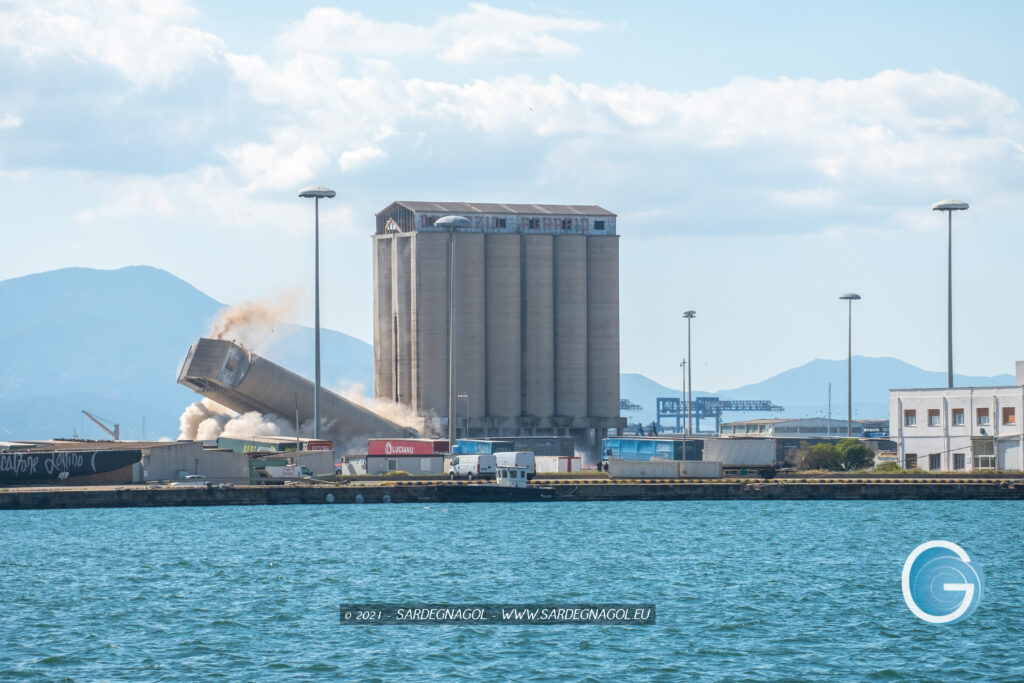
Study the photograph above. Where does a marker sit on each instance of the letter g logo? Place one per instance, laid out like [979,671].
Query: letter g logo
[940,585]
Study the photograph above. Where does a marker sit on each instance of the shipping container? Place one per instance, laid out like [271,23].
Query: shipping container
[660,468]
[411,464]
[406,446]
[734,452]
[482,447]
[645,448]
[558,464]
[546,445]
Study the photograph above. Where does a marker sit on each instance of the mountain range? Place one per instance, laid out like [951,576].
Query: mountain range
[112,342]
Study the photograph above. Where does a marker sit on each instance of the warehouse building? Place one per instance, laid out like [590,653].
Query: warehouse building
[806,427]
[961,429]
[536,315]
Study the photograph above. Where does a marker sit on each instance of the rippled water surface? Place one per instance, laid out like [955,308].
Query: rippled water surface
[744,591]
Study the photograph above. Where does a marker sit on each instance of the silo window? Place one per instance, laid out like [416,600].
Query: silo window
[534,224]
[500,223]
[566,224]
[598,225]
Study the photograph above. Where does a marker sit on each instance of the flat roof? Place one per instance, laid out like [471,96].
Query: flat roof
[513,209]
[983,388]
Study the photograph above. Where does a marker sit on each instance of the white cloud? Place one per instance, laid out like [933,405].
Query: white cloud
[800,145]
[149,43]
[10,121]
[210,196]
[481,33]
[287,160]
[361,156]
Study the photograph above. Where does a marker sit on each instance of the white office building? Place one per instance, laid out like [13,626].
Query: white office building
[962,429]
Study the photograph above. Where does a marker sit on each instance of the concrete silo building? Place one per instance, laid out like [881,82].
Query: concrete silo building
[536,314]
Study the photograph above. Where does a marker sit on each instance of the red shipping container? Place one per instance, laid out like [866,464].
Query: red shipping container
[406,446]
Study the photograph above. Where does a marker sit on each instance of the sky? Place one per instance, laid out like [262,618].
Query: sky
[763,158]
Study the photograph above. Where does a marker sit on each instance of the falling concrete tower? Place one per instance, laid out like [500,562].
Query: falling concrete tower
[536,314]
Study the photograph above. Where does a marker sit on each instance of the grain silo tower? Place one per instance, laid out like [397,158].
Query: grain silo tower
[536,311]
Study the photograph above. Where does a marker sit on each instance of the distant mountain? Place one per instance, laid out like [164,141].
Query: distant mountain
[803,391]
[112,342]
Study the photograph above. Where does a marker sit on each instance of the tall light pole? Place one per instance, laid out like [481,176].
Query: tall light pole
[451,224]
[465,426]
[850,298]
[689,369]
[680,417]
[316,193]
[949,206]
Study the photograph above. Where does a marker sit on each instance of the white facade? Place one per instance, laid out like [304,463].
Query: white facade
[962,429]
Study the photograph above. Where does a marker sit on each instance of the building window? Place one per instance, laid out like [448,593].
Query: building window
[958,417]
[933,418]
[534,224]
[598,225]
[983,416]
[566,224]
[910,460]
[959,461]
[1009,416]
[909,418]
[392,465]
[933,461]
[500,223]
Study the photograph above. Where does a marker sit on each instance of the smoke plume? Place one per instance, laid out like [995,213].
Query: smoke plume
[389,410]
[252,323]
[206,420]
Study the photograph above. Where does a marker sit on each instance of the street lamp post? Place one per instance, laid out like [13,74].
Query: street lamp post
[949,206]
[465,425]
[689,369]
[451,224]
[679,417]
[849,298]
[316,193]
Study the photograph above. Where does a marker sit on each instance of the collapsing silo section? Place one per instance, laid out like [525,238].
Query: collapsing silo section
[231,375]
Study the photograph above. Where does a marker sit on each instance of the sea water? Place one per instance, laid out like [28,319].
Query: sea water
[743,590]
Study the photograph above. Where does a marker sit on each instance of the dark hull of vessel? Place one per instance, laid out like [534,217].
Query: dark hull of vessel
[35,466]
[490,494]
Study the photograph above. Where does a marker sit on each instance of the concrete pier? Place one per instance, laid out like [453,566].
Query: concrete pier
[29,498]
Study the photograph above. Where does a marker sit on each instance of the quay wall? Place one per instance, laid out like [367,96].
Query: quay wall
[29,498]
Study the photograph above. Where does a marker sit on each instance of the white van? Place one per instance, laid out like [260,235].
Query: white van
[519,459]
[473,467]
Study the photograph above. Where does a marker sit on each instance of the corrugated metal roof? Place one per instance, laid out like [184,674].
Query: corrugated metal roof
[530,209]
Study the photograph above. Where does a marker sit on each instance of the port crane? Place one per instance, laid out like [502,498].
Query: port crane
[708,406]
[115,432]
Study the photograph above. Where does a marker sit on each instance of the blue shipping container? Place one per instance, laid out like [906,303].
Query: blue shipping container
[645,449]
[482,447]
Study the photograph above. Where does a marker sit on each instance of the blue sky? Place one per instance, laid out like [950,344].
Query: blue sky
[764,158]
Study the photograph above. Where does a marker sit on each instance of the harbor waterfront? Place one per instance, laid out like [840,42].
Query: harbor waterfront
[555,490]
[788,590]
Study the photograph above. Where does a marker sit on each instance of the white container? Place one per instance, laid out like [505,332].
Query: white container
[740,452]
[557,464]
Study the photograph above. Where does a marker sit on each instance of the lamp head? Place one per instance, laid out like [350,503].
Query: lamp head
[850,296]
[689,314]
[317,191]
[452,222]
[950,205]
